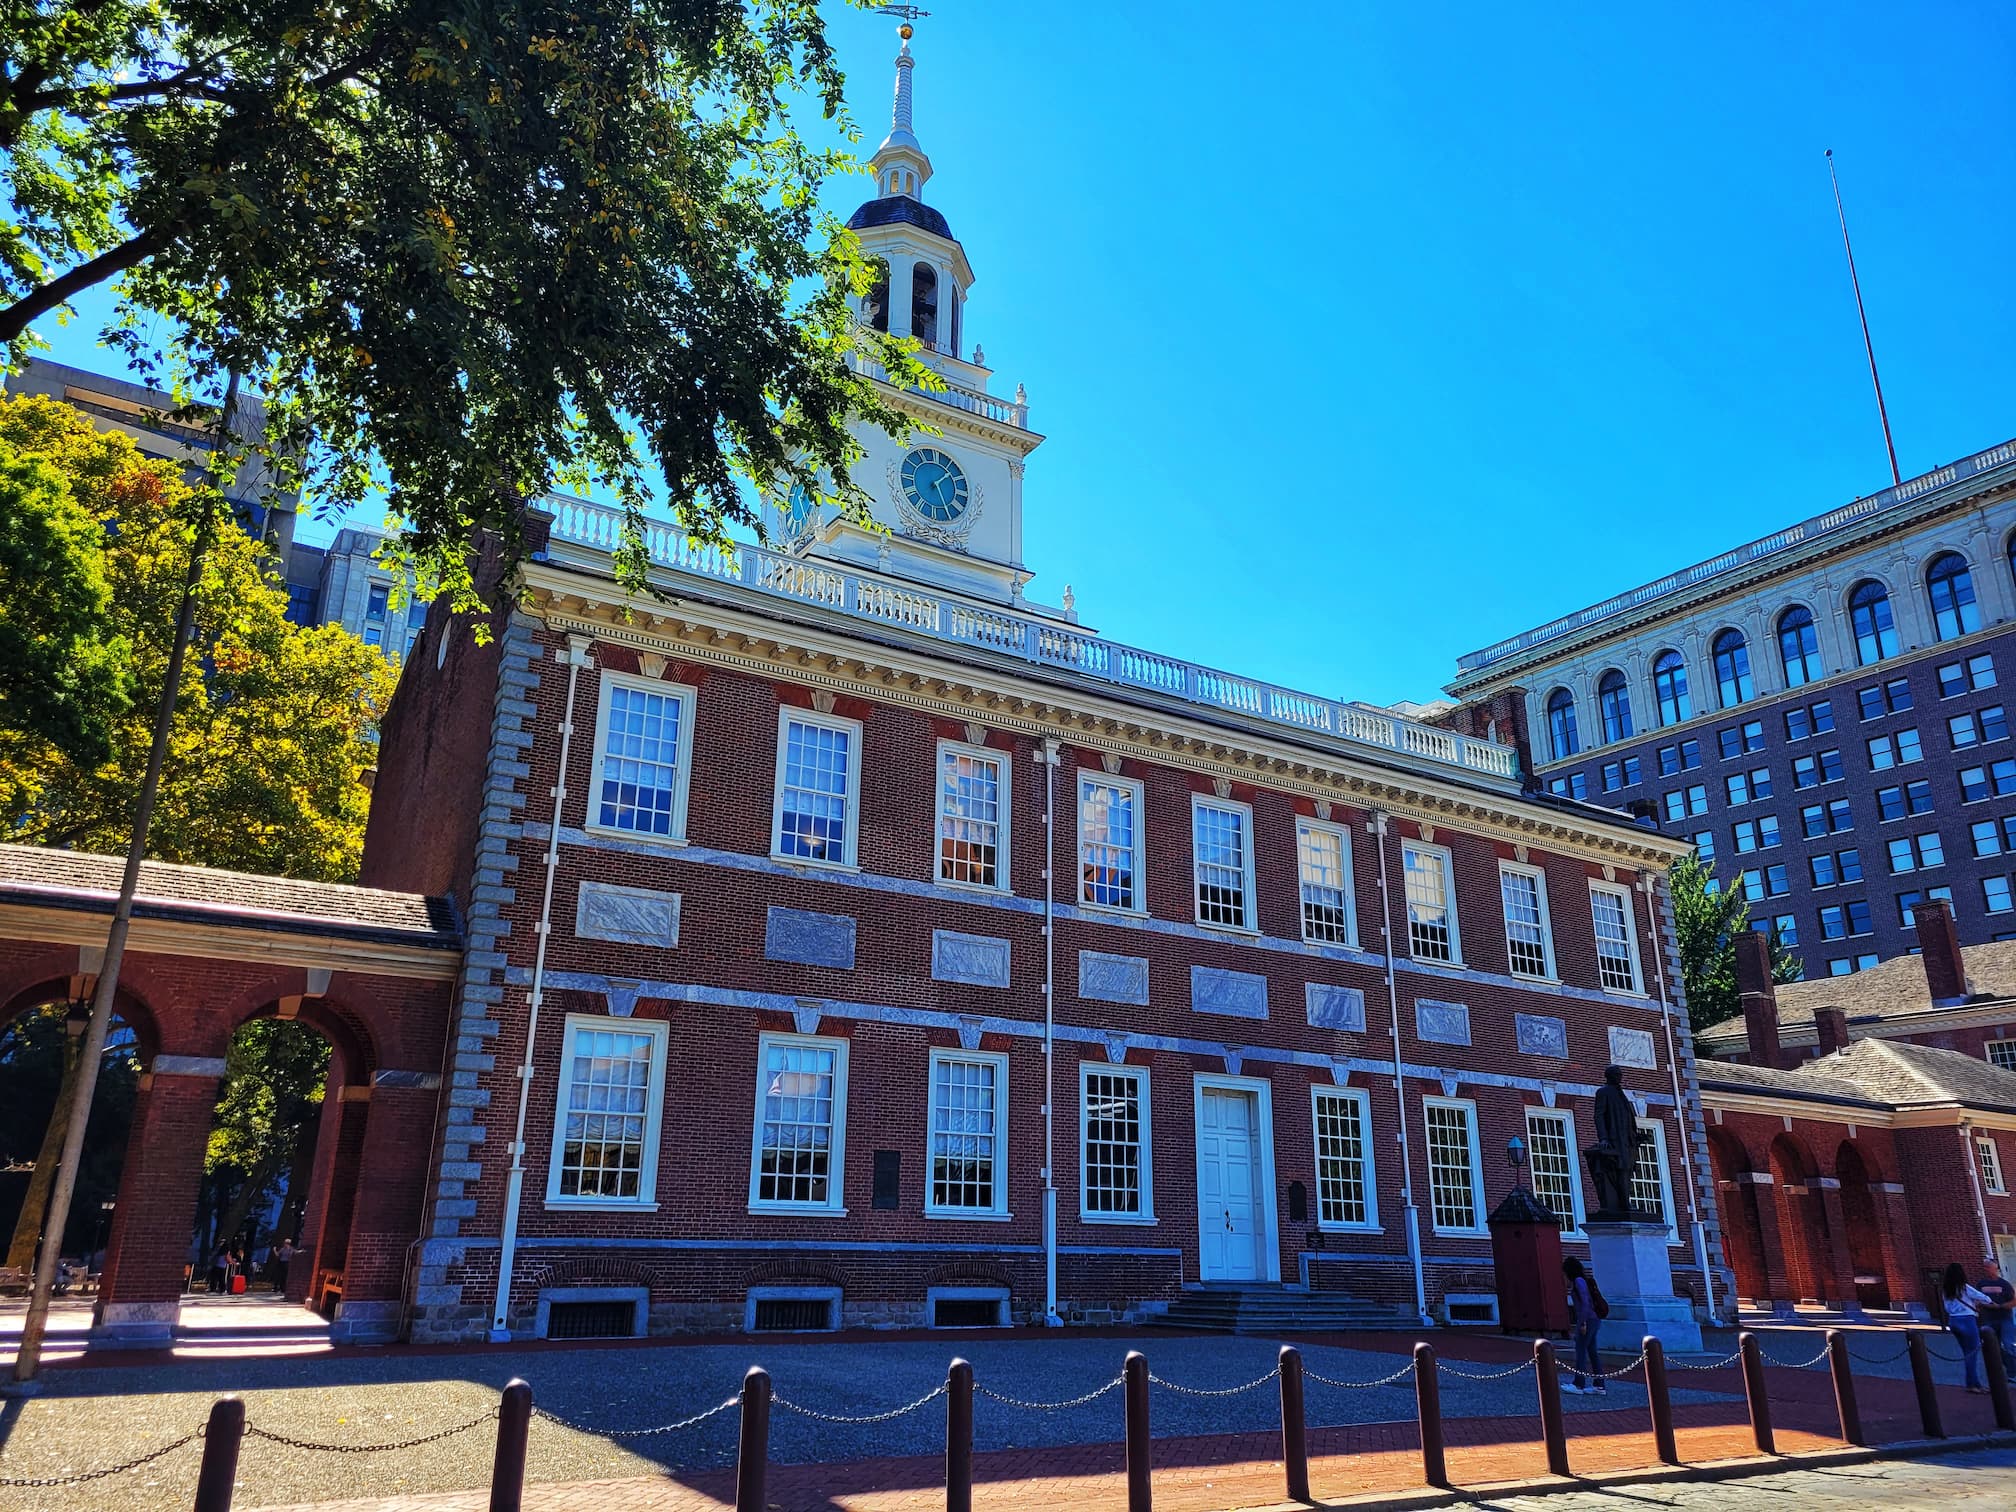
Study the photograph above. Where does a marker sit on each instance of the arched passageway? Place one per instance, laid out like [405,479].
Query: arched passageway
[1742,1227]
[1802,1222]
[1864,1227]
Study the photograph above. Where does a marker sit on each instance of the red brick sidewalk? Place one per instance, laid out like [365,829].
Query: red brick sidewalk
[1216,1472]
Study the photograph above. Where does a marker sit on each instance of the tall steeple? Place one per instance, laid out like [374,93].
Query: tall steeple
[899,163]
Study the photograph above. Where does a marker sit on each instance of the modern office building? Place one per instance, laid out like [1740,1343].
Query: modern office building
[1823,712]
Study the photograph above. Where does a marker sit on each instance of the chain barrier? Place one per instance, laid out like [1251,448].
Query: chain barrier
[1008,1401]
[1795,1365]
[1207,1391]
[632,1433]
[1621,1370]
[80,1477]
[1727,1360]
[1491,1375]
[1394,1379]
[873,1417]
[252,1430]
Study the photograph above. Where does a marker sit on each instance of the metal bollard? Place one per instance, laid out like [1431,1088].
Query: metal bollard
[1139,1497]
[1928,1394]
[1998,1380]
[1754,1392]
[959,1437]
[1661,1400]
[1294,1425]
[1428,1404]
[514,1428]
[221,1437]
[752,1461]
[1844,1388]
[1553,1429]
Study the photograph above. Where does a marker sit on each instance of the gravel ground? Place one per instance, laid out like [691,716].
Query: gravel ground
[93,1417]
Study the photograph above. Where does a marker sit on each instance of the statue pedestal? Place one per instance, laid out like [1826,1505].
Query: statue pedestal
[1635,1274]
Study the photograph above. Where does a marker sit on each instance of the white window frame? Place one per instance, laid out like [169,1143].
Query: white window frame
[682,780]
[1367,1157]
[1539,880]
[997,1210]
[646,1200]
[2008,1060]
[1139,852]
[1087,1069]
[1989,1158]
[1448,860]
[836,1145]
[1004,765]
[1622,894]
[1656,1127]
[787,716]
[1249,909]
[1477,1200]
[1342,833]
[1572,1229]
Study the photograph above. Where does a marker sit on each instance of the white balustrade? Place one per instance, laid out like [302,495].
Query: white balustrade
[870,597]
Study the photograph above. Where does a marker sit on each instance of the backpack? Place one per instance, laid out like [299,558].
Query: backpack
[1597,1300]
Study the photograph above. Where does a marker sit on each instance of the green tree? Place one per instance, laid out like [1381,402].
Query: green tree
[472,250]
[66,681]
[269,750]
[33,1052]
[1708,920]
[273,1079]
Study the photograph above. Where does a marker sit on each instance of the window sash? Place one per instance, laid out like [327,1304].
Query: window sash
[1115,1148]
[2002,1053]
[1323,858]
[1528,942]
[1431,904]
[1550,1146]
[643,757]
[605,1127]
[818,771]
[1221,841]
[1344,1195]
[968,1129]
[1452,1166]
[1109,842]
[1616,939]
[972,817]
[801,1121]
[1991,1165]
[1648,1176]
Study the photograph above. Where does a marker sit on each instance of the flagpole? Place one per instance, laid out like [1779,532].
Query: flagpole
[1867,345]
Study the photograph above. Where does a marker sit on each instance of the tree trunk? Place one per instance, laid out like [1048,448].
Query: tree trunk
[35,1201]
[248,1193]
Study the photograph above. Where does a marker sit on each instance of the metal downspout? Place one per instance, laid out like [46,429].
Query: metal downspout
[1048,756]
[1412,1214]
[576,657]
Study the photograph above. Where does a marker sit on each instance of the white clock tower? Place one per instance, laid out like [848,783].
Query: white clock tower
[951,502]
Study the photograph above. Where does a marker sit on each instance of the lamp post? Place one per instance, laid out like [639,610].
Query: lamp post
[1515,1157]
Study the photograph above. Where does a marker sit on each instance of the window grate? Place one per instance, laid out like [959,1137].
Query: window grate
[591,1320]
[793,1315]
[966,1312]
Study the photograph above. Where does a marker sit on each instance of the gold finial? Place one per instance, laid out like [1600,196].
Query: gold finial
[904,31]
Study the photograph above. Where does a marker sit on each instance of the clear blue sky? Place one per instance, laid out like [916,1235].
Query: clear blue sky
[1364,334]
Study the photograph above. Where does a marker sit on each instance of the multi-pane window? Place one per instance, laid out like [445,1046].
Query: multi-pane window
[1970,676]
[1648,1176]
[1733,682]
[1896,749]
[1616,937]
[1892,697]
[1683,757]
[1987,837]
[1816,767]
[800,1142]
[1840,920]
[605,1133]
[1115,1155]
[1756,834]
[1911,798]
[1561,724]
[1994,780]
[1950,586]
[1842,866]
[1323,857]
[1995,897]
[1613,698]
[818,775]
[1550,1146]
[377,602]
[1734,741]
[1874,625]
[972,817]
[1431,904]
[1704,845]
[642,757]
[2002,1053]
[1799,647]
[1613,776]
[1344,1196]
[1680,803]
[1978,727]
[1529,941]
[1786,928]
[1574,785]
[1991,1166]
[1916,852]
[1453,1165]
[1849,965]
[1669,688]
[1907,902]
[968,1114]
[1817,719]
[1826,818]
[1109,842]
[1221,838]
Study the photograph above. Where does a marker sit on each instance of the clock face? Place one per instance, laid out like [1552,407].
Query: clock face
[798,512]
[934,485]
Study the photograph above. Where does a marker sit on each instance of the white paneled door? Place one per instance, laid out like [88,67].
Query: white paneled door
[1228,1195]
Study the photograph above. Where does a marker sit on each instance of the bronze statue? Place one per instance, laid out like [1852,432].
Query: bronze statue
[1615,1156]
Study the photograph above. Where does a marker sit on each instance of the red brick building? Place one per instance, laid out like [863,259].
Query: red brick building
[1863,1139]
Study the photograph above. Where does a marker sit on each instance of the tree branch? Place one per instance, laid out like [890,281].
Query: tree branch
[30,307]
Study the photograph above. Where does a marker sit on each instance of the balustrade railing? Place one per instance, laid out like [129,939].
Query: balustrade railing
[868,596]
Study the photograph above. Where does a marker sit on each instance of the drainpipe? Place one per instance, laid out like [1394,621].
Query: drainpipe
[1968,1154]
[1411,1214]
[1700,1229]
[576,657]
[1048,756]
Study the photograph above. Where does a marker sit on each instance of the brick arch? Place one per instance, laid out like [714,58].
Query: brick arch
[1742,1224]
[1862,1218]
[1802,1219]
[599,1270]
[970,1273]
[129,1007]
[347,1032]
[795,1273]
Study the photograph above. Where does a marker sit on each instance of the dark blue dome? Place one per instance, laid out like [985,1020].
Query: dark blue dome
[899,208]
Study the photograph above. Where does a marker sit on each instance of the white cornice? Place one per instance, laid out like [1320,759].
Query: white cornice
[223,942]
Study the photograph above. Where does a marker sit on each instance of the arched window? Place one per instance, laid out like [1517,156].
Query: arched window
[1615,699]
[1561,723]
[1732,669]
[954,309]
[1875,627]
[1950,582]
[1669,687]
[1799,646]
[924,304]
[877,306]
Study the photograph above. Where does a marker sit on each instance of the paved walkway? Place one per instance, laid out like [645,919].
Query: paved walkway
[1985,1479]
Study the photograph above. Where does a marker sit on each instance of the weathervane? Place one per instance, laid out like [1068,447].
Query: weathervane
[905,12]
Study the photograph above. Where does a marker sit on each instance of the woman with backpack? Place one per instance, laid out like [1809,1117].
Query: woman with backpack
[1586,1308]
[1962,1301]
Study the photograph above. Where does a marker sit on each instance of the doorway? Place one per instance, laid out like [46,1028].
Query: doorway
[1234,1184]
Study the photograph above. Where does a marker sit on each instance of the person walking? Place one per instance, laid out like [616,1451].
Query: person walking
[1998,1319]
[220,1270]
[1963,1304]
[1582,1321]
[283,1256]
